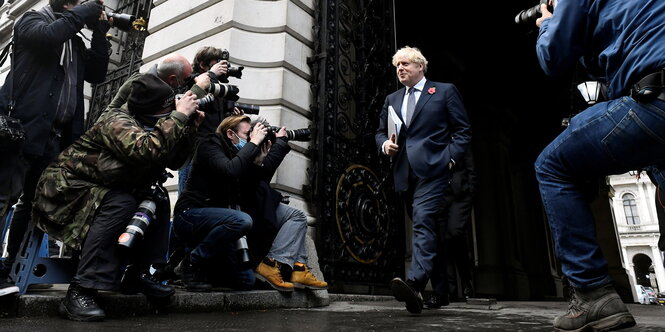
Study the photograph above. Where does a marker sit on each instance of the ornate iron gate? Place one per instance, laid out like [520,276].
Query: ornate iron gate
[360,230]
[130,49]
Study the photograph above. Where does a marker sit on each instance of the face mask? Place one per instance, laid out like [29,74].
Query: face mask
[241,142]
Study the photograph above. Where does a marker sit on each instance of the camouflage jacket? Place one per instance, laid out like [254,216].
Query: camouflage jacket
[115,153]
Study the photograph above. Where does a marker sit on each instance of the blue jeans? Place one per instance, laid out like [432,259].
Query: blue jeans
[183,174]
[210,232]
[608,138]
[289,244]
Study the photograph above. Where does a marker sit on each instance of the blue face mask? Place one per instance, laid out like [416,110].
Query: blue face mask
[241,142]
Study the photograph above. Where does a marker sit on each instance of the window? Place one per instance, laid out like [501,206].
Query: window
[630,209]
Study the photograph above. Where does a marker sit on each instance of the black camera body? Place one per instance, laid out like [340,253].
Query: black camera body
[232,71]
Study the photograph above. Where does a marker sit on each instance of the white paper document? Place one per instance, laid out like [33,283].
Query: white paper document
[394,122]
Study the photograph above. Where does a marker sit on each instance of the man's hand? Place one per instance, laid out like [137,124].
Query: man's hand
[258,134]
[545,14]
[265,148]
[237,111]
[187,104]
[203,81]
[281,132]
[389,147]
[220,68]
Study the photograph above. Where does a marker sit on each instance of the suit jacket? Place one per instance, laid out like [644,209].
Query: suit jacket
[439,132]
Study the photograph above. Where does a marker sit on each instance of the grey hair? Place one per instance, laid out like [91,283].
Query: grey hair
[167,68]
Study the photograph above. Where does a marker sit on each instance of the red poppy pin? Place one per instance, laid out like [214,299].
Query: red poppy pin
[431,90]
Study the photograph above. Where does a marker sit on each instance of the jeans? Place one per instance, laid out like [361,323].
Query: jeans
[607,138]
[289,244]
[210,231]
[183,174]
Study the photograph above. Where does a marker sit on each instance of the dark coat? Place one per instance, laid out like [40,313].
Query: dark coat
[439,132]
[38,76]
[223,177]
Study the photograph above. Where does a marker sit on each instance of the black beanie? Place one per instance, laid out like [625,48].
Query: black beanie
[149,95]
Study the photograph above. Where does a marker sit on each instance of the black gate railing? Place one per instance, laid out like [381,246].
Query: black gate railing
[360,227]
[130,49]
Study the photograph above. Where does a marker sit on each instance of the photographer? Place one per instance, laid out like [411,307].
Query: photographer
[207,60]
[49,66]
[206,218]
[87,196]
[623,41]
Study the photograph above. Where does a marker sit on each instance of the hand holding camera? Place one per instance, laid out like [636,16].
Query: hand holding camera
[221,68]
[546,13]
[203,81]
[258,134]
[186,104]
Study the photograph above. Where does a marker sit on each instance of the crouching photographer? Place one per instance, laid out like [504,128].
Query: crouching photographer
[264,205]
[207,219]
[88,195]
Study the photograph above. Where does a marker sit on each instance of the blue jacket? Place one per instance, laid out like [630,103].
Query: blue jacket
[38,75]
[620,40]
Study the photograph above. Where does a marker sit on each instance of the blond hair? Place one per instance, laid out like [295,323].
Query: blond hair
[413,54]
[231,122]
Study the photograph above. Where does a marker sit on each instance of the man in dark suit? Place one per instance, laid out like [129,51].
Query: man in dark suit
[431,133]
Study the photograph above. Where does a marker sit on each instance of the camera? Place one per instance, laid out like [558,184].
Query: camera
[224,90]
[232,71]
[529,16]
[123,22]
[300,135]
[145,214]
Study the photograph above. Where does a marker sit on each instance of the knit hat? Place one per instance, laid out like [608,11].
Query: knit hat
[150,95]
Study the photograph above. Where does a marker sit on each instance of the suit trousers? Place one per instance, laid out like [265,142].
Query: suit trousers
[102,260]
[425,203]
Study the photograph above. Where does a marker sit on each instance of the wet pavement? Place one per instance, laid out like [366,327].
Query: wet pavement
[344,315]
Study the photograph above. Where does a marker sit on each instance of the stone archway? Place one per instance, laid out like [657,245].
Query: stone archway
[641,266]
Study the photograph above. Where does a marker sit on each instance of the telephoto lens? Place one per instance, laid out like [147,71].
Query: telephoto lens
[137,227]
[224,90]
[242,249]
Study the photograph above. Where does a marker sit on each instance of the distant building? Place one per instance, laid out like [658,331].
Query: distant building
[634,207]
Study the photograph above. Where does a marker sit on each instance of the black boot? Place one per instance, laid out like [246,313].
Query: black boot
[600,309]
[79,304]
[137,279]
[193,277]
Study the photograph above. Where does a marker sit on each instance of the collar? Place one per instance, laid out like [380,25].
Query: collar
[419,86]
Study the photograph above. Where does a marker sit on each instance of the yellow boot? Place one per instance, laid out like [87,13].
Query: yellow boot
[302,277]
[268,271]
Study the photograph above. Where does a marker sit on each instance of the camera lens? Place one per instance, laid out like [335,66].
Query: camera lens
[137,227]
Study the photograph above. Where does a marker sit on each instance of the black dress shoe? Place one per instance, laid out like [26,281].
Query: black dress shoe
[468,290]
[436,301]
[141,281]
[406,292]
[80,305]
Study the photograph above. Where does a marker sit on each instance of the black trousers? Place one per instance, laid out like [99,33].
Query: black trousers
[453,251]
[19,175]
[102,261]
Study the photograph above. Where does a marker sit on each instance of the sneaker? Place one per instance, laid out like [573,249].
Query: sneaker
[600,309]
[406,292]
[192,276]
[302,277]
[79,304]
[139,280]
[268,271]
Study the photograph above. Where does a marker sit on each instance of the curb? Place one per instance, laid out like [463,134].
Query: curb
[46,302]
